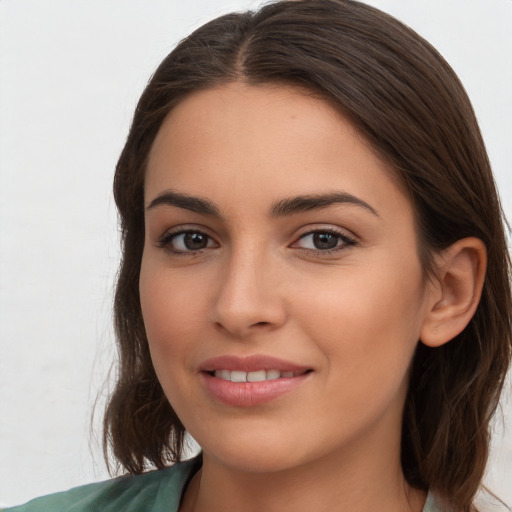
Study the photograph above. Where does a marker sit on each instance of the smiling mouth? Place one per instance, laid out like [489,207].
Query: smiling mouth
[255,376]
[250,381]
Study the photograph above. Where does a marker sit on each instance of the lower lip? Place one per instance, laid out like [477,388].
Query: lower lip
[250,394]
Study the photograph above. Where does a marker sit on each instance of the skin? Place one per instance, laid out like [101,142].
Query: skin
[353,314]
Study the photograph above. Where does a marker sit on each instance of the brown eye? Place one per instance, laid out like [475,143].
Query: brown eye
[194,241]
[186,242]
[324,241]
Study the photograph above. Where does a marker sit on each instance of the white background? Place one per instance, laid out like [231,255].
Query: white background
[70,74]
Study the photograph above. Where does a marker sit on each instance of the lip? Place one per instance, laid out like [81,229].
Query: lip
[250,364]
[250,394]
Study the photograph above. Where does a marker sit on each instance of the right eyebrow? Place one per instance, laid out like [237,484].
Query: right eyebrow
[194,204]
[306,203]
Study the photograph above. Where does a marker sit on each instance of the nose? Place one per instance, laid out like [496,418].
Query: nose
[250,295]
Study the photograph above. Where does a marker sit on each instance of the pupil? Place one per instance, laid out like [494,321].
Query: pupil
[325,240]
[195,241]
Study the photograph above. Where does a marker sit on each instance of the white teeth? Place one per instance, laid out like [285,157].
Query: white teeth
[237,376]
[256,376]
[273,374]
[223,374]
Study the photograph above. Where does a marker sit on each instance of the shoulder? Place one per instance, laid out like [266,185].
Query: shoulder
[154,491]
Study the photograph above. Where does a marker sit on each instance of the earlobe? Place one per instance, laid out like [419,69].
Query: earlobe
[460,279]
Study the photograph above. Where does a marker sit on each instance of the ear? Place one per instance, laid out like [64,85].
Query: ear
[456,293]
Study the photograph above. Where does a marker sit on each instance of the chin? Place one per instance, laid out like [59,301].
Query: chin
[258,454]
[257,461]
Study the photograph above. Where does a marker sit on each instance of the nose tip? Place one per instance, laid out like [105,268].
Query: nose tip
[248,301]
[244,318]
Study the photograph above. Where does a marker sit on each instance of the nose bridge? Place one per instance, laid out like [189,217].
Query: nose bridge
[248,298]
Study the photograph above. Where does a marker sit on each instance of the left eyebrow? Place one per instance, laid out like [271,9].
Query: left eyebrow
[305,203]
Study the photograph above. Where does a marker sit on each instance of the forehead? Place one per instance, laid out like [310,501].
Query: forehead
[242,140]
[244,117]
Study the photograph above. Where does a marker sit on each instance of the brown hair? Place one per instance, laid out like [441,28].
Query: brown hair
[408,103]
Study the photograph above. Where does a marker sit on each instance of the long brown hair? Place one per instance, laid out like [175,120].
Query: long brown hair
[409,105]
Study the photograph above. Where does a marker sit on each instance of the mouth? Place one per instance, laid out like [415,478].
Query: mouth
[251,381]
[255,376]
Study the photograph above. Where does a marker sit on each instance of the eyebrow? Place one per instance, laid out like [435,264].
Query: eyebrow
[194,204]
[313,202]
[282,208]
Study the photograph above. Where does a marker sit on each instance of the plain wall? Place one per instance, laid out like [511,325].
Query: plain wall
[70,75]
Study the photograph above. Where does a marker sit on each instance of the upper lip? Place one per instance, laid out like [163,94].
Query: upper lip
[250,364]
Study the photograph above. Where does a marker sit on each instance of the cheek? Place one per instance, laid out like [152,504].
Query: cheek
[367,322]
[367,336]
[171,311]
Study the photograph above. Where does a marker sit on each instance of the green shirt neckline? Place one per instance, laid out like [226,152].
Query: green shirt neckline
[155,491]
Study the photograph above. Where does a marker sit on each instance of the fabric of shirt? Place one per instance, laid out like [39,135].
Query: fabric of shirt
[155,491]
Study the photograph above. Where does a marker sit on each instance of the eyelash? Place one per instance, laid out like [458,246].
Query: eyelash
[344,241]
[165,242]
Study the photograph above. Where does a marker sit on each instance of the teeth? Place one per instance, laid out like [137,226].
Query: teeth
[273,374]
[256,376]
[223,374]
[237,376]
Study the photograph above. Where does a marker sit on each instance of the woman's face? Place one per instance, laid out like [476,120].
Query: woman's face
[280,285]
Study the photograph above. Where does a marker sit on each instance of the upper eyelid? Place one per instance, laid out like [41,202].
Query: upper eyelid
[173,236]
[186,228]
[346,238]
[171,233]
[325,228]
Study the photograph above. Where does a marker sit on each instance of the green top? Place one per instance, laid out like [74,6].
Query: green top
[156,491]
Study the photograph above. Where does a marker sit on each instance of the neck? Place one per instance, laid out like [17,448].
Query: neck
[342,483]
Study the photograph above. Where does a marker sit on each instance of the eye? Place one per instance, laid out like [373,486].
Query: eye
[324,241]
[183,242]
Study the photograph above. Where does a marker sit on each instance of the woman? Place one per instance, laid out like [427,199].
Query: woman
[315,281]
